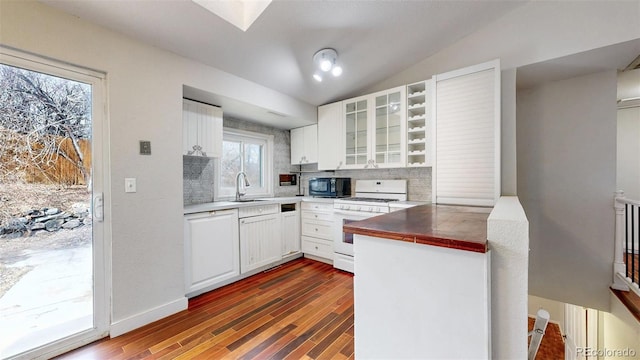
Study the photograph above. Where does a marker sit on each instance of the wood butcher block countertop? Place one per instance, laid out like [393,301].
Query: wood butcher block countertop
[456,227]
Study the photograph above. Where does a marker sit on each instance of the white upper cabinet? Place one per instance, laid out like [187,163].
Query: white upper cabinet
[356,132]
[374,130]
[201,129]
[388,134]
[304,145]
[330,143]
[466,169]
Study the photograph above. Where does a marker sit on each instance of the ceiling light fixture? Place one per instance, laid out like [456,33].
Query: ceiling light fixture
[326,60]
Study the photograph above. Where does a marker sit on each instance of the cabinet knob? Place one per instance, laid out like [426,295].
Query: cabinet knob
[316,229]
[316,248]
[315,215]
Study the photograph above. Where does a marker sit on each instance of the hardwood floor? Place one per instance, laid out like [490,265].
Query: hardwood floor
[552,344]
[301,310]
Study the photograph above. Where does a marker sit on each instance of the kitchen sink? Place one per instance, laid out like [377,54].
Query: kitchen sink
[249,200]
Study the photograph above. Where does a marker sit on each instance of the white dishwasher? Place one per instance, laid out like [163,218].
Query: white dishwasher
[211,249]
[260,240]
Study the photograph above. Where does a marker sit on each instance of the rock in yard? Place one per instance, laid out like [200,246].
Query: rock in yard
[15,225]
[37,226]
[71,224]
[44,219]
[80,209]
[53,225]
[35,213]
[13,235]
[51,211]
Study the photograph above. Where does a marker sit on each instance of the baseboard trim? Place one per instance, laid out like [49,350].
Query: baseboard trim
[141,319]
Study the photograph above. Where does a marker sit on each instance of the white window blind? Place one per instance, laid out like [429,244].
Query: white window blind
[467,166]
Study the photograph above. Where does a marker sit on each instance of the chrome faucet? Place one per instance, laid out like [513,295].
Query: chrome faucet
[246,183]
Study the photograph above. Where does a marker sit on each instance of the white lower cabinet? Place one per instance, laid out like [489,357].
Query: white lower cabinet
[260,240]
[211,248]
[317,229]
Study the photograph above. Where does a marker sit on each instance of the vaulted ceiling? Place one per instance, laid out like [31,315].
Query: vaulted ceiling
[374,39]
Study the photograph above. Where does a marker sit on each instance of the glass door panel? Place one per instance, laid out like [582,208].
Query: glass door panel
[53,291]
[388,127]
[356,133]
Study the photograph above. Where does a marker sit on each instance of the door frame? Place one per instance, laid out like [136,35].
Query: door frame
[100,184]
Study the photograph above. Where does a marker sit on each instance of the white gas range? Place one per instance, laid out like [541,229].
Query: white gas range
[372,198]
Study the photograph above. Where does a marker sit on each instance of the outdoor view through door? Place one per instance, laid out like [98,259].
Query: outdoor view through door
[47,233]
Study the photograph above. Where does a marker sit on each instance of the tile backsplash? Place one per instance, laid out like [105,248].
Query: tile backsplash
[418,179]
[197,179]
[199,173]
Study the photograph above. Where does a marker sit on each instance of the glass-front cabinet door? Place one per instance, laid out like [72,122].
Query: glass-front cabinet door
[389,128]
[356,132]
[375,130]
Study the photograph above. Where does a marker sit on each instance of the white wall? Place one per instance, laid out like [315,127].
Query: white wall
[508,166]
[417,301]
[619,330]
[628,161]
[144,103]
[555,309]
[566,145]
[508,235]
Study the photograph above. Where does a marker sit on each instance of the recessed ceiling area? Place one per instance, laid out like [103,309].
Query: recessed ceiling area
[616,57]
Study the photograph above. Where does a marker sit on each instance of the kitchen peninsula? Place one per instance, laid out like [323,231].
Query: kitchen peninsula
[406,263]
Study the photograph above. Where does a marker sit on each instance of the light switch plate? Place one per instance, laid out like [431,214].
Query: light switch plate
[130,185]
[145,147]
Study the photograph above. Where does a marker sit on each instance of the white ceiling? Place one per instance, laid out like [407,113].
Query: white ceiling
[374,39]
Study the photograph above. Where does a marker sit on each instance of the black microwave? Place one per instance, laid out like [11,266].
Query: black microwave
[333,187]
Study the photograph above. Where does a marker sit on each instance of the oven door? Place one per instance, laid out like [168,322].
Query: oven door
[343,242]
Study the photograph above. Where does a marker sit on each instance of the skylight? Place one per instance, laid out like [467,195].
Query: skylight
[240,13]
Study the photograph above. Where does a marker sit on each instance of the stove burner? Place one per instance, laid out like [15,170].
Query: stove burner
[369,199]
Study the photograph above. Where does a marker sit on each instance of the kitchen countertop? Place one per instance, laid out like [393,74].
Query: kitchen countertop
[456,227]
[224,205]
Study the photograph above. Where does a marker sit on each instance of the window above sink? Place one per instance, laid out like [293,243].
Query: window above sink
[249,152]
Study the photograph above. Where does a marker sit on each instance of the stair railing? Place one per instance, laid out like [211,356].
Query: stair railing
[625,263]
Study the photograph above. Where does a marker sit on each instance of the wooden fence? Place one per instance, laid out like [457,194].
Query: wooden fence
[52,169]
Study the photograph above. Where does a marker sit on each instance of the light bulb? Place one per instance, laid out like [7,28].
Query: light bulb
[336,71]
[317,77]
[325,65]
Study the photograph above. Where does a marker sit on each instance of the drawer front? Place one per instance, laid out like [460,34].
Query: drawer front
[320,229]
[317,247]
[258,210]
[306,205]
[314,215]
